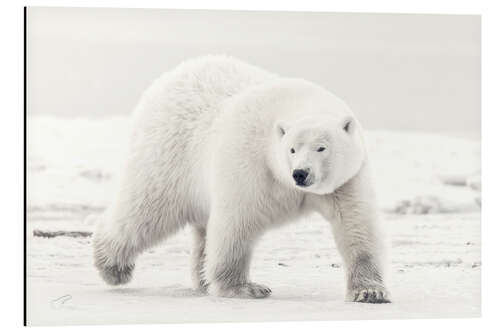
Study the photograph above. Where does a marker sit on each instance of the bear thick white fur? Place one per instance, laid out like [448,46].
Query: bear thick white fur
[233,150]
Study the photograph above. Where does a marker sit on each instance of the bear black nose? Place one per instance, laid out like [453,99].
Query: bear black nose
[300,176]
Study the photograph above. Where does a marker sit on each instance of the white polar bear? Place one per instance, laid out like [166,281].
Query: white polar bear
[234,150]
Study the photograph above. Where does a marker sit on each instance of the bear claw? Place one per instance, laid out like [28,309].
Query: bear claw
[256,290]
[370,295]
[246,290]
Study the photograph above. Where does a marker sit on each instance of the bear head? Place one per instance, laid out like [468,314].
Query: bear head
[319,154]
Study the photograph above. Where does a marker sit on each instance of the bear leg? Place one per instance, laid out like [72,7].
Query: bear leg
[228,255]
[353,216]
[118,241]
[198,258]
[358,238]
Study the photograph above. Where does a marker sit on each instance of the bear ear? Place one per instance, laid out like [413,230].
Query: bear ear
[348,125]
[280,129]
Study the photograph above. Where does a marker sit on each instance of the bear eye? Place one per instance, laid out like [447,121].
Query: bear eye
[292,151]
[320,149]
[347,125]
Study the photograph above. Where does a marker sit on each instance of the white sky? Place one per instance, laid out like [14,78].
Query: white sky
[396,71]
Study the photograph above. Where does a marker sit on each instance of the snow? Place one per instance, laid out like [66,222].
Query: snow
[434,229]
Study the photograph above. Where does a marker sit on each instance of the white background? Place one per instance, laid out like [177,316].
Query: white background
[396,72]
[12,175]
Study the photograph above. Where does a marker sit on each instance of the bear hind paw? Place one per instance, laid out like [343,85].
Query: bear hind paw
[116,275]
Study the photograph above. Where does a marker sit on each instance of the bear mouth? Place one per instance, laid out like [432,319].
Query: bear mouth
[303,185]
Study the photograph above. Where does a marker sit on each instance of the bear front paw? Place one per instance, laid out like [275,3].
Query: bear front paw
[256,290]
[369,295]
[246,290]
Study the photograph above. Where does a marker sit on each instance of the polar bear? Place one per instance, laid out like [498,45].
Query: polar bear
[233,150]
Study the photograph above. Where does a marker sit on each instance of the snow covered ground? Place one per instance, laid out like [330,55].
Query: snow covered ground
[434,229]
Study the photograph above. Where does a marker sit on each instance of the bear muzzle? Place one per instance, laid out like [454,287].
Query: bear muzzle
[302,177]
